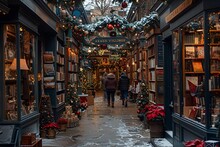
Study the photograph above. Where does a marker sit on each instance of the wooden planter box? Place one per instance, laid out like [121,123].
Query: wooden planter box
[156,129]
[51,133]
[63,127]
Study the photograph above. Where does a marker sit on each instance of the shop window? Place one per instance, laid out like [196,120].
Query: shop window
[214,81]
[26,94]
[193,70]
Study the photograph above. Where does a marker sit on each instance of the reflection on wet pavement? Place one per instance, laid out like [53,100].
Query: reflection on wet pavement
[103,126]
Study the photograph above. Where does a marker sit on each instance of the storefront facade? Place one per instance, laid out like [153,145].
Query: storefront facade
[24,37]
[190,30]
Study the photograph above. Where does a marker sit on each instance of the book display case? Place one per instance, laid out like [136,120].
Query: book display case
[155,66]
[54,77]
[193,71]
[19,89]
[201,69]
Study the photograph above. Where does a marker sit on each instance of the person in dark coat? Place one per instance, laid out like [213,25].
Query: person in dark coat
[111,86]
[103,85]
[123,86]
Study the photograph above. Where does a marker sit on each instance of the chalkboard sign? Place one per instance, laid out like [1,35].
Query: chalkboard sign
[160,51]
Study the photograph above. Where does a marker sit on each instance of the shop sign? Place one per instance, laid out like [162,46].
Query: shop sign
[178,10]
[114,57]
[110,40]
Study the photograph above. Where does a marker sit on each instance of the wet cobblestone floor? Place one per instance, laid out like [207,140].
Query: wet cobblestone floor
[103,126]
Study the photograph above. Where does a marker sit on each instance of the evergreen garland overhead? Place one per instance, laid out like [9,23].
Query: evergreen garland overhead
[119,23]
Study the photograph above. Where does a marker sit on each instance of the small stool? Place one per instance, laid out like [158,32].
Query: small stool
[211,143]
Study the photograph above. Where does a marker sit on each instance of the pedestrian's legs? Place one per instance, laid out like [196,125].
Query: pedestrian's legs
[113,98]
[126,98]
[108,97]
[122,97]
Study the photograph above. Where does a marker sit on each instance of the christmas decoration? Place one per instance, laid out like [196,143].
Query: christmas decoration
[145,23]
[46,114]
[121,1]
[72,98]
[124,4]
[112,34]
[110,26]
[72,118]
[142,101]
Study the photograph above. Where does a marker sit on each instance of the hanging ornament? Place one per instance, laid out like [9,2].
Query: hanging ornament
[124,4]
[110,26]
[112,34]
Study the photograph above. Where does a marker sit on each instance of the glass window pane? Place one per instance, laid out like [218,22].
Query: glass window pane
[28,102]
[214,82]
[193,70]
[10,73]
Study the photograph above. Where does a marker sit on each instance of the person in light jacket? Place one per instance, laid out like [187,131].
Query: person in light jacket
[111,86]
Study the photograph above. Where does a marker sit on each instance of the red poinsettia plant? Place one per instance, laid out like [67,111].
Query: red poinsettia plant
[51,125]
[154,113]
[62,120]
[194,143]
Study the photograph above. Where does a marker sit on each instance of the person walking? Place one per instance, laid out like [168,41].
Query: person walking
[103,85]
[123,86]
[110,86]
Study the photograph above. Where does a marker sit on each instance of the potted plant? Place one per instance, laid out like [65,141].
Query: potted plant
[155,120]
[62,123]
[51,129]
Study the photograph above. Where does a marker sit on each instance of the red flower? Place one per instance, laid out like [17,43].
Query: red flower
[51,125]
[194,143]
[154,112]
[62,121]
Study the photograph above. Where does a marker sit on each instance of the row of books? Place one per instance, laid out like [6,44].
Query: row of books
[60,49]
[215,82]
[215,65]
[60,76]
[152,75]
[193,66]
[215,52]
[151,63]
[152,86]
[73,77]
[194,52]
[194,38]
[60,59]
[72,67]
[60,86]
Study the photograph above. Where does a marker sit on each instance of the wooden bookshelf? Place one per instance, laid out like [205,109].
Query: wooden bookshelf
[54,77]
[72,66]
[155,66]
